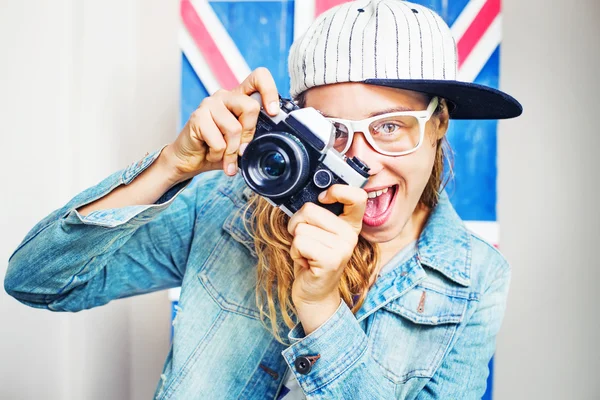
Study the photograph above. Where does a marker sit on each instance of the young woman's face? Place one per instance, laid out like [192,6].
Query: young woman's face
[389,215]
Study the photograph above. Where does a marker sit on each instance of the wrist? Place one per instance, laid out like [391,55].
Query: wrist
[313,314]
[168,163]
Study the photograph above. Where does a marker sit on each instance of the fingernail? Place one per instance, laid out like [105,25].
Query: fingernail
[322,196]
[274,107]
[243,148]
[231,169]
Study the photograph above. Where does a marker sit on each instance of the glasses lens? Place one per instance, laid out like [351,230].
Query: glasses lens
[396,133]
[341,136]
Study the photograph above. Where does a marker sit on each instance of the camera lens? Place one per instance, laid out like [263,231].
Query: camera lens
[273,164]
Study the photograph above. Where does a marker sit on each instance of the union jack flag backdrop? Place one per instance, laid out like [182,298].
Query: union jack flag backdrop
[223,40]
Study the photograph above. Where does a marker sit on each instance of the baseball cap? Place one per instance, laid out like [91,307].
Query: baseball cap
[391,43]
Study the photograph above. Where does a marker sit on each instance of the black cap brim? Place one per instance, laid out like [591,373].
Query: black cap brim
[469,100]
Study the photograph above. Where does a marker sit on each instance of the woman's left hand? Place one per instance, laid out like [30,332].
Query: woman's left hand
[322,246]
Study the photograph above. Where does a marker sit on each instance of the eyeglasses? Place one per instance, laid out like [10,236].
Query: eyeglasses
[391,134]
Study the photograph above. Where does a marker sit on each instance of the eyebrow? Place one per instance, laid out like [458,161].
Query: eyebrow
[380,112]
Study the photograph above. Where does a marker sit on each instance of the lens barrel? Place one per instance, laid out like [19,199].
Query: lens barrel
[275,164]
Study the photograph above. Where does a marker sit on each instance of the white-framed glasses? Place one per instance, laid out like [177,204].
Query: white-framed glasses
[392,134]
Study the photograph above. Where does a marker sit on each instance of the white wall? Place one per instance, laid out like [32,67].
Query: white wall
[548,201]
[86,87]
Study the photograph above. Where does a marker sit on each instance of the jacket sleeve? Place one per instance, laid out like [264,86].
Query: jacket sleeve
[464,370]
[70,262]
[345,369]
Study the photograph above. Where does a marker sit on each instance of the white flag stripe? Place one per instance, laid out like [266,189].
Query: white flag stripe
[174,294]
[487,230]
[482,52]
[222,39]
[197,60]
[303,16]
[466,18]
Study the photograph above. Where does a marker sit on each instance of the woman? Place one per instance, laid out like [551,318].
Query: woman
[394,298]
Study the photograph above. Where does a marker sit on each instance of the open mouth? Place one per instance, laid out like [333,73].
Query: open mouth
[379,206]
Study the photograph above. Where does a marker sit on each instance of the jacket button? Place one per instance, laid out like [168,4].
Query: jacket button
[303,365]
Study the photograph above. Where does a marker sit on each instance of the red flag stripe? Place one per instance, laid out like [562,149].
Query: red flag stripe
[478,27]
[324,5]
[217,63]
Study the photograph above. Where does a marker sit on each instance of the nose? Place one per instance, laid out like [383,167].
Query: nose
[361,148]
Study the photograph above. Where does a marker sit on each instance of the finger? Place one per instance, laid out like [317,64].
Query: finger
[246,110]
[315,253]
[261,81]
[231,130]
[205,129]
[322,218]
[299,261]
[328,239]
[353,198]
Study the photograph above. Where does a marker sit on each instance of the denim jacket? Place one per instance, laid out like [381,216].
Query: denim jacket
[426,330]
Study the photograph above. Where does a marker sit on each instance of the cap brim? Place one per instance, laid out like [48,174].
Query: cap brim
[470,100]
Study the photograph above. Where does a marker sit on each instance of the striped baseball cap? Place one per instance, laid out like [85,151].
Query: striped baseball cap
[391,43]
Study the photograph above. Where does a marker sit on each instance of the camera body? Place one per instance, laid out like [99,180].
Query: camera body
[291,159]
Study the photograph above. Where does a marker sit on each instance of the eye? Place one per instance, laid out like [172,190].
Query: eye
[341,131]
[388,128]
[341,136]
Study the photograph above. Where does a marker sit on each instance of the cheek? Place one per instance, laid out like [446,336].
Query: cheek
[413,170]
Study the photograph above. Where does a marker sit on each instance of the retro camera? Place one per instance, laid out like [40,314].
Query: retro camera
[291,159]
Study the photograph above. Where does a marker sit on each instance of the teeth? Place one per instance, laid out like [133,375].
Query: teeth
[377,193]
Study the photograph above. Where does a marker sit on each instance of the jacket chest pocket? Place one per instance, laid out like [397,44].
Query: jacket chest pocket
[412,333]
[229,276]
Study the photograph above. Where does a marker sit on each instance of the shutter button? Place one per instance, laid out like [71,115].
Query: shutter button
[304,364]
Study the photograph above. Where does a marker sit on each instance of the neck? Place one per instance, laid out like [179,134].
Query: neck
[411,232]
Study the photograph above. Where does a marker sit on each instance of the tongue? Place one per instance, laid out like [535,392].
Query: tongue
[379,204]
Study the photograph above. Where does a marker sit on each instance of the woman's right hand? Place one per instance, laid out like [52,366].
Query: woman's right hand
[221,127]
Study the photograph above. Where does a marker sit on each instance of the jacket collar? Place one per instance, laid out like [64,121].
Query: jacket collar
[445,243]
